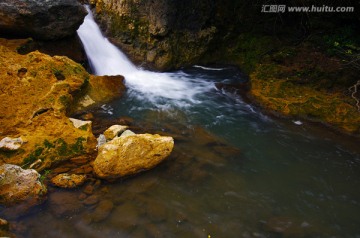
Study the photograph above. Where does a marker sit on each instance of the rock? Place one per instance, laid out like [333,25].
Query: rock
[101,140]
[51,19]
[89,189]
[66,180]
[82,125]
[101,89]
[131,154]
[91,200]
[4,224]
[37,92]
[127,133]
[20,189]
[158,25]
[9,144]
[114,131]
[126,217]
[102,211]
[64,203]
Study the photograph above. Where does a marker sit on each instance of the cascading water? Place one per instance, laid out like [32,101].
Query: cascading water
[106,59]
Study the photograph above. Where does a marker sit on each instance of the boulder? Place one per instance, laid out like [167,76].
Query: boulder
[19,185]
[66,180]
[128,155]
[49,20]
[114,131]
[9,144]
[37,91]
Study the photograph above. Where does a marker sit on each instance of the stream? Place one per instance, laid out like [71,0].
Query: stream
[234,171]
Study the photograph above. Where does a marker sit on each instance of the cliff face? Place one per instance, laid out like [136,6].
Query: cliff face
[164,34]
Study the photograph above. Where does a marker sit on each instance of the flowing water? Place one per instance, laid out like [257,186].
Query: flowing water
[234,172]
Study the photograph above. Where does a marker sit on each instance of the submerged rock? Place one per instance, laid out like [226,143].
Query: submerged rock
[51,19]
[68,180]
[20,188]
[64,203]
[128,155]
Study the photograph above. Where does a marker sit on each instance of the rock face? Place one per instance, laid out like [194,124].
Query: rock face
[51,19]
[165,34]
[128,155]
[20,186]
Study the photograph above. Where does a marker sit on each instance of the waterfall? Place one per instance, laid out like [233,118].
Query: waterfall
[107,59]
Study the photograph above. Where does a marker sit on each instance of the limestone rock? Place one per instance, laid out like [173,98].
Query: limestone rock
[131,154]
[66,180]
[10,144]
[20,186]
[51,19]
[82,125]
[127,133]
[114,131]
[37,91]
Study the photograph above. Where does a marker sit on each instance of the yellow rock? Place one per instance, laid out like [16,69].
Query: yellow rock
[128,155]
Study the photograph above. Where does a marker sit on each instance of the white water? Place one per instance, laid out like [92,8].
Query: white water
[106,59]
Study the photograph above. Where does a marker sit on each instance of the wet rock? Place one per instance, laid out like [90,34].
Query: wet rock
[158,25]
[126,217]
[84,169]
[91,200]
[101,89]
[131,154]
[64,203]
[89,189]
[156,211]
[114,131]
[10,144]
[290,227]
[102,211]
[19,186]
[87,116]
[66,180]
[4,224]
[51,19]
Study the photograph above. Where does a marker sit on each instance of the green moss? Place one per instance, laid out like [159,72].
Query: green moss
[61,147]
[78,146]
[33,156]
[65,100]
[44,175]
[48,144]
[84,127]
